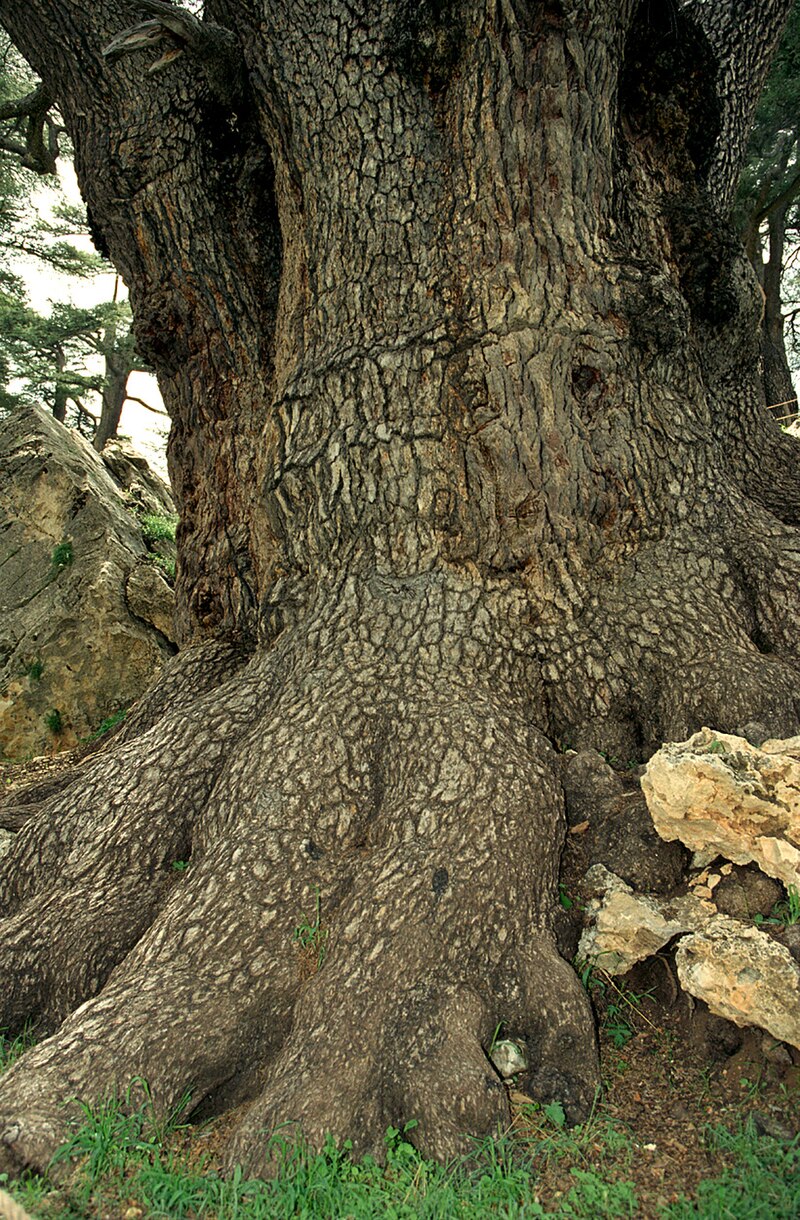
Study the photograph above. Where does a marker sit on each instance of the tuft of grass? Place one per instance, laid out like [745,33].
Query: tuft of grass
[785,913]
[124,1158]
[109,723]
[35,670]
[158,528]
[165,565]
[620,1006]
[310,936]
[12,1048]
[62,556]
[54,721]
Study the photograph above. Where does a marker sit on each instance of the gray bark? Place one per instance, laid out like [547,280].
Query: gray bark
[475,449]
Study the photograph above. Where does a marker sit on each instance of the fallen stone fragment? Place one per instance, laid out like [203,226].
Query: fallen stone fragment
[743,975]
[626,927]
[720,795]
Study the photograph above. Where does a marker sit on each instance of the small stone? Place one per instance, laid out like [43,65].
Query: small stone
[508,1058]
[775,1052]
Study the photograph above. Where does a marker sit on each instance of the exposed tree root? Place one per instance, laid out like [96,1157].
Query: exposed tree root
[424,822]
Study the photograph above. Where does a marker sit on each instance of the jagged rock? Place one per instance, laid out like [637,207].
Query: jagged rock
[625,927]
[73,647]
[143,487]
[743,975]
[150,598]
[718,793]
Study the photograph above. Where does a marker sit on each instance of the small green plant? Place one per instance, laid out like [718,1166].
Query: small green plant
[62,556]
[54,721]
[179,866]
[309,934]
[564,898]
[495,1037]
[158,528]
[165,564]
[620,1005]
[785,913]
[35,670]
[109,723]
[12,1048]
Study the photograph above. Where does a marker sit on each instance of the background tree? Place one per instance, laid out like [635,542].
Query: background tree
[461,352]
[45,356]
[768,211]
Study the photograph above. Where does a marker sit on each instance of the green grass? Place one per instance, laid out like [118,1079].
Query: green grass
[165,565]
[786,912]
[120,1161]
[12,1048]
[761,1183]
[157,528]
[123,1156]
[35,670]
[61,557]
[54,721]
[109,723]
[310,935]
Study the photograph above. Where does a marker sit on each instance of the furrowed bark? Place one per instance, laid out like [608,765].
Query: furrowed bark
[508,482]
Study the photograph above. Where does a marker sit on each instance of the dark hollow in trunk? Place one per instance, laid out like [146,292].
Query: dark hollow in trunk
[473,464]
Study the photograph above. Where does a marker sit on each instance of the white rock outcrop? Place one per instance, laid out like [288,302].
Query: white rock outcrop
[720,795]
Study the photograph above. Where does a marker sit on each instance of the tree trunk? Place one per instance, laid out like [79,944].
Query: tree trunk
[472,462]
[60,395]
[778,384]
[119,359]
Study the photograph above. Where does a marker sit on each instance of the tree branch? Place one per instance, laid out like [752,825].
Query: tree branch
[786,196]
[40,151]
[146,405]
[215,49]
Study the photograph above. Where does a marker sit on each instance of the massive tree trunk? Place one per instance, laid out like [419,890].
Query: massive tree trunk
[472,463]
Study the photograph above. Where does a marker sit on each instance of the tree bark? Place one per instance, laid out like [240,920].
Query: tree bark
[120,360]
[472,462]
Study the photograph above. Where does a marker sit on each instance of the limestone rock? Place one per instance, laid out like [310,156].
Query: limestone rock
[625,928]
[718,793]
[743,975]
[82,630]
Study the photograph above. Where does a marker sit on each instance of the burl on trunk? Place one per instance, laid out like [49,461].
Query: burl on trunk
[462,362]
